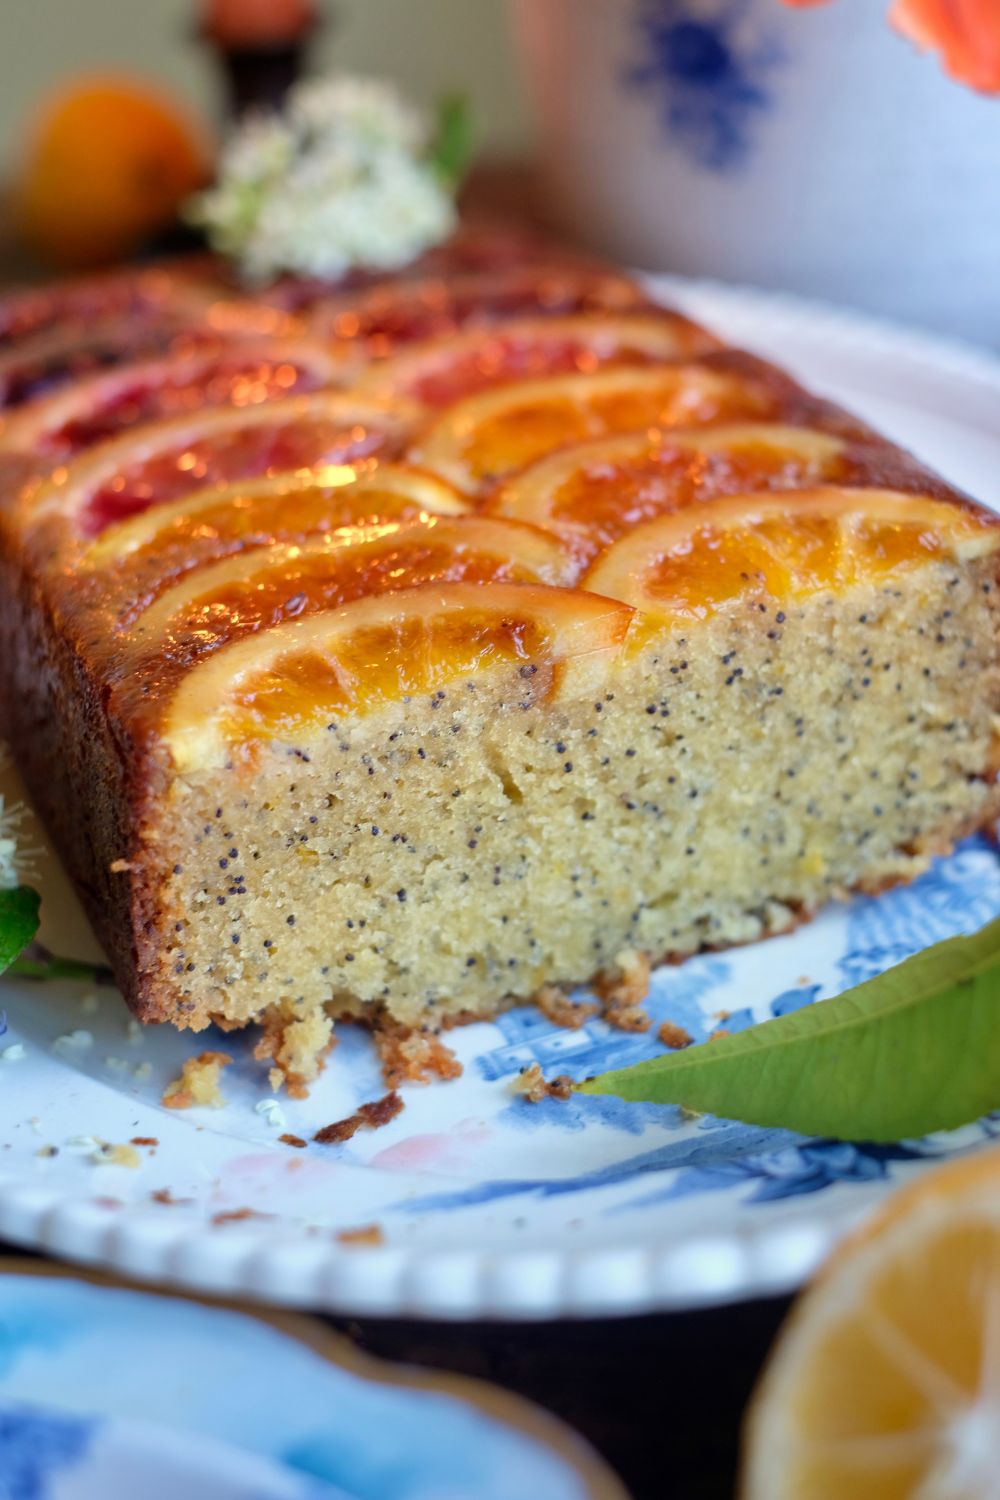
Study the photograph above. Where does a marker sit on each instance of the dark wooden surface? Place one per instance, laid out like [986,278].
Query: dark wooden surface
[661,1398]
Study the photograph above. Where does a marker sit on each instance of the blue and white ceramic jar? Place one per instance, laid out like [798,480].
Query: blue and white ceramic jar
[813,150]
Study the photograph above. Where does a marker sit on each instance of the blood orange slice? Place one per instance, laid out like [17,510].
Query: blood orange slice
[593,493]
[787,547]
[163,460]
[402,311]
[241,372]
[477,442]
[474,248]
[34,368]
[292,681]
[445,370]
[182,291]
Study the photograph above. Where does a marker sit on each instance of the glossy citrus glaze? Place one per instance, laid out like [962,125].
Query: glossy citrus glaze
[783,547]
[310,444]
[377,651]
[401,312]
[596,492]
[254,591]
[212,523]
[229,375]
[134,293]
[479,441]
[248,565]
[56,359]
[306,435]
[442,371]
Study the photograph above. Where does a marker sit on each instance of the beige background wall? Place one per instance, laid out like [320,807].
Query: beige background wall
[430,45]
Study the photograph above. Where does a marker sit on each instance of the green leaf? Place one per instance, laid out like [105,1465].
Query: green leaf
[454,140]
[916,1049]
[18,922]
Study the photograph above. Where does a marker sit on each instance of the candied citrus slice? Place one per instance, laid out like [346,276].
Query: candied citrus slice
[183,290]
[295,679]
[787,546]
[489,436]
[224,518]
[242,372]
[594,492]
[885,1381]
[482,250]
[162,460]
[444,370]
[255,590]
[35,368]
[400,311]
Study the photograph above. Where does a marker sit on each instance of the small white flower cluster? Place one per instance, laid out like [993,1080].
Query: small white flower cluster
[14,862]
[339,179]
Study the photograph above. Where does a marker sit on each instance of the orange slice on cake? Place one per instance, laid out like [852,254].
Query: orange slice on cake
[479,441]
[255,590]
[400,311]
[214,522]
[449,369]
[593,493]
[36,368]
[298,679]
[185,290]
[242,373]
[163,460]
[787,546]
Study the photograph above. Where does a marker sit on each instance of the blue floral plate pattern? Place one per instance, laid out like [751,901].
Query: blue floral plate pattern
[473,1202]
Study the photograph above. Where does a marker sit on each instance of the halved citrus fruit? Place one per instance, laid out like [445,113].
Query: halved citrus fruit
[786,546]
[401,311]
[479,441]
[256,590]
[163,460]
[240,372]
[294,680]
[885,1382]
[444,370]
[593,493]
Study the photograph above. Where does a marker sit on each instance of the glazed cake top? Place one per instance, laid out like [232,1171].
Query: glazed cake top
[253,513]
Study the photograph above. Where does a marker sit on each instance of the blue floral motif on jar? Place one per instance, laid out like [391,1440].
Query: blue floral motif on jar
[706,65]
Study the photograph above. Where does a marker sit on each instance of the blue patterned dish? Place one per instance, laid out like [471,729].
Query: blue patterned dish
[112,1392]
[476,1202]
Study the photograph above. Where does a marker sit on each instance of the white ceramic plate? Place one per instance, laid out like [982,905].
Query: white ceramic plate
[107,1392]
[489,1206]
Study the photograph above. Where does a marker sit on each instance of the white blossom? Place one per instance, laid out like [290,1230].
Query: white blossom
[340,179]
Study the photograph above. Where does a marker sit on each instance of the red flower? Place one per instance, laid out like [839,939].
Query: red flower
[965,32]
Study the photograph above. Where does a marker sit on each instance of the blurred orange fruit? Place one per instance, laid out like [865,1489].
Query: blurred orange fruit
[108,162]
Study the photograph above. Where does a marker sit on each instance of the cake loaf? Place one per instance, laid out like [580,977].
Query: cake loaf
[471,635]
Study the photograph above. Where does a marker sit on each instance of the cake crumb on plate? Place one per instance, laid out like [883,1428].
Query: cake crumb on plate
[198,1083]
